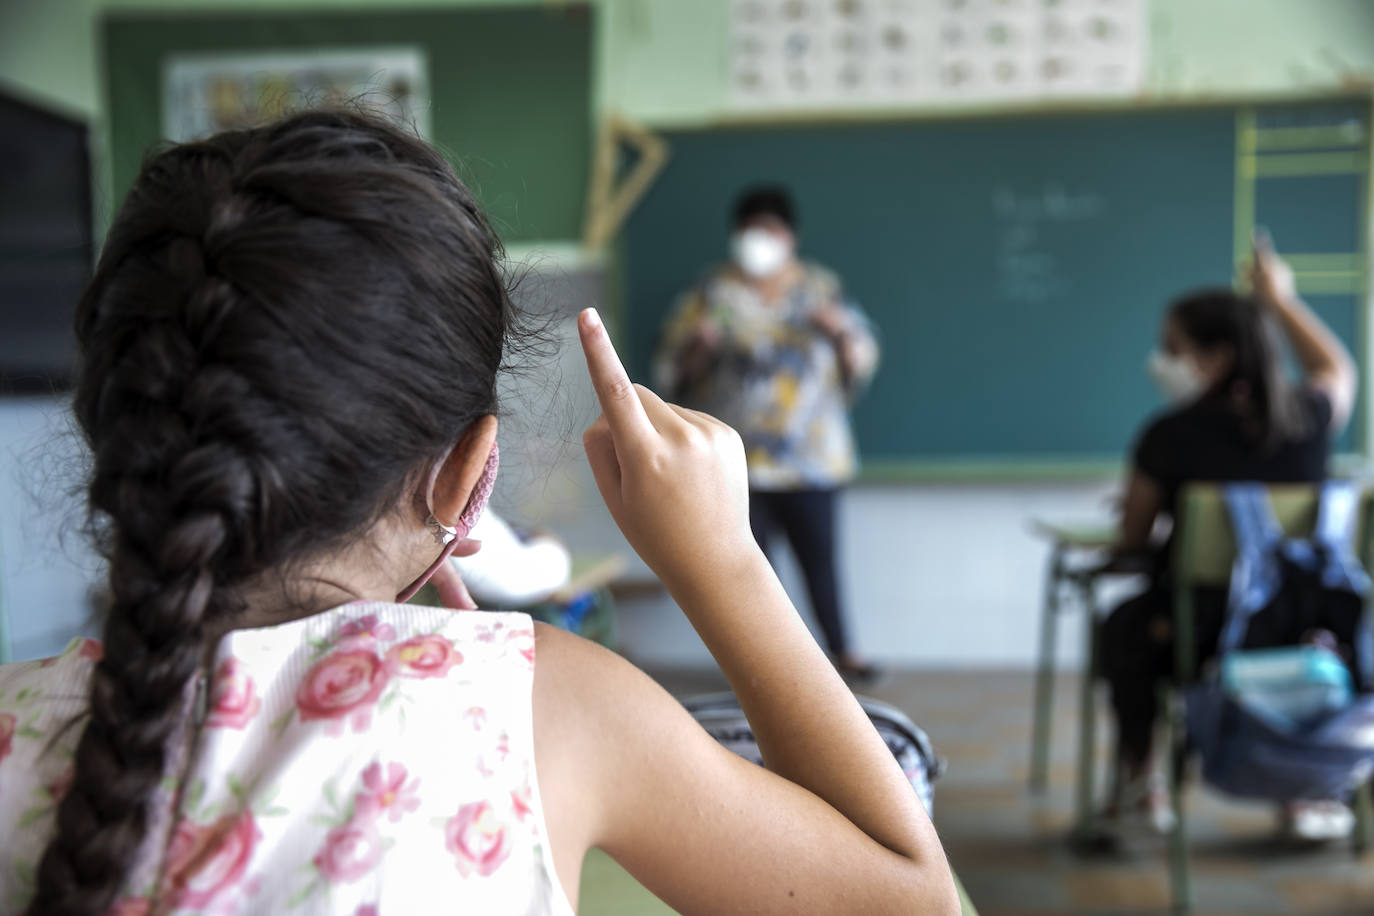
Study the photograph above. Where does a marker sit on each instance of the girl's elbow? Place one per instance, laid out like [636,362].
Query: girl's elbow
[929,890]
[947,902]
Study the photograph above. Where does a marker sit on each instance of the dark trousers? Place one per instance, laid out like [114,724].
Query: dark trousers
[1136,651]
[808,519]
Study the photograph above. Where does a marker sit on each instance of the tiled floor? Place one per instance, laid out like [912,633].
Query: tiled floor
[1011,851]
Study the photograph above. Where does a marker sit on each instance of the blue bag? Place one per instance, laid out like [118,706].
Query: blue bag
[1317,742]
[1289,684]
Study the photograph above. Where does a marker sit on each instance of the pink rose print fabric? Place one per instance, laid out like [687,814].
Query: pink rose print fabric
[365,631]
[8,723]
[343,687]
[349,852]
[522,802]
[356,843]
[423,656]
[233,704]
[372,759]
[386,792]
[520,642]
[476,836]
[83,648]
[205,862]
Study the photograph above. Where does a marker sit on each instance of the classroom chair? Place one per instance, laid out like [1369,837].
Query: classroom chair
[1203,553]
[1075,566]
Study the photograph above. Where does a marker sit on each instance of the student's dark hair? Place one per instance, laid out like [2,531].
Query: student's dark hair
[1213,318]
[286,325]
[765,200]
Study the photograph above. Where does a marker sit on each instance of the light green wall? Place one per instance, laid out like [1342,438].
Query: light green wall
[47,52]
[662,61]
[1231,46]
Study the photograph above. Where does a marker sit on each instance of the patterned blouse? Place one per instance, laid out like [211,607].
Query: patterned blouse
[372,759]
[775,376]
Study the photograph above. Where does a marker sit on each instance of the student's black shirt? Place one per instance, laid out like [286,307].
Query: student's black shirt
[1207,441]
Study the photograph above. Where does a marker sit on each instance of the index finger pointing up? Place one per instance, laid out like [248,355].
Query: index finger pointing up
[619,400]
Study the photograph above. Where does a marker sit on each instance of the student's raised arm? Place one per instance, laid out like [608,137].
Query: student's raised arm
[832,826]
[1327,363]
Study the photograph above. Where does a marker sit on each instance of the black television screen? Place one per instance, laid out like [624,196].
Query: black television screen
[45,243]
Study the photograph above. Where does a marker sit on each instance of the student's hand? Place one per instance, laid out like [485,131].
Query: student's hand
[674,479]
[709,334]
[1271,279]
[453,594]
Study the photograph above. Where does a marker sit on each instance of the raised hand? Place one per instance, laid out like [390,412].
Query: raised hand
[674,479]
[1271,279]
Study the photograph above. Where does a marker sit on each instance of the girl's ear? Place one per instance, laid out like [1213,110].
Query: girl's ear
[461,470]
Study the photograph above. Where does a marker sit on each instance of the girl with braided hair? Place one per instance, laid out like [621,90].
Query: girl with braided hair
[289,358]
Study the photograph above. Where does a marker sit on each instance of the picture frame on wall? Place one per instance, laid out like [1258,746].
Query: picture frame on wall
[207,92]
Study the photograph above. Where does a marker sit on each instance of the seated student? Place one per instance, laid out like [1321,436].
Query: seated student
[1236,416]
[289,358]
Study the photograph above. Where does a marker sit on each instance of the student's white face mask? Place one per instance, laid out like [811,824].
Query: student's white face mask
[1176,376]
[758,252]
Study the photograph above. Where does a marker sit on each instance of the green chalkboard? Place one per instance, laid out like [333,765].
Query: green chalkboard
[510,91]
[1016,268]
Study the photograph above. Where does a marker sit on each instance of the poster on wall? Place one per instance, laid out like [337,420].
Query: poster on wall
[836,53]
[206,92]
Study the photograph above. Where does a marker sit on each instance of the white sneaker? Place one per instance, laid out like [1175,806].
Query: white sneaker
[1141,805]
[1319,821]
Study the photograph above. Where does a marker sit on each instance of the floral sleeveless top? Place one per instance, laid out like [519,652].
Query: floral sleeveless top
[371,760]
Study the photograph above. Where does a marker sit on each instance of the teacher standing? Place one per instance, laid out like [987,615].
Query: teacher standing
[768,344]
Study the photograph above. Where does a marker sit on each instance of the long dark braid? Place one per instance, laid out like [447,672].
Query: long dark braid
[285,325]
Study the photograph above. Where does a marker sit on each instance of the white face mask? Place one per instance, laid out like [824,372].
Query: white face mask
[1176,376]
[759,253]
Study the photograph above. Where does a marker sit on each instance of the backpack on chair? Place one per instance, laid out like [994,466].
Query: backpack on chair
[1287,713]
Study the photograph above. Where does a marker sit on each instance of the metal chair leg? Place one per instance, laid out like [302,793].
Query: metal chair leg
[1043,710]
[1087,714]
[1180,879]
[1364,817]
